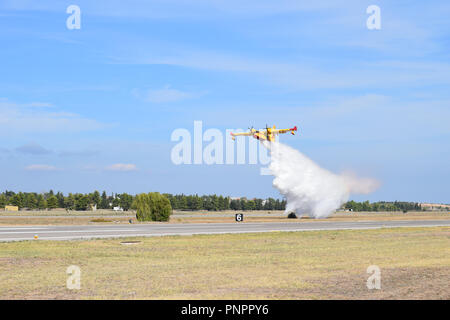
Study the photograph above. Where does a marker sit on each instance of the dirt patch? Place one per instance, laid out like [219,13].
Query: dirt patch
[396,283]
[12,262]
[101,220]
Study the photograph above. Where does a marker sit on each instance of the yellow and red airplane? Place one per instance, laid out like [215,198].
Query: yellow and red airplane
[264,134]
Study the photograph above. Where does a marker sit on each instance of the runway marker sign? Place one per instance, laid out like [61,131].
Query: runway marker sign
[239,217]
[74,280]
[374,281]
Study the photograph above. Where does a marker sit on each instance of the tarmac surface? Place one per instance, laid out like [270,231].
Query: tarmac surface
[161,229]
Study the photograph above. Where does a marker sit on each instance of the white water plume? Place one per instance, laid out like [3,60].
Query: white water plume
[308,188]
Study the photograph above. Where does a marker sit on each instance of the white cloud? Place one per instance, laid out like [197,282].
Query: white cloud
[19,118]
[40,167]
[40,105]
[33,148]
[122,167]
[369,117]
[164,95]
[79,153]
[298,74]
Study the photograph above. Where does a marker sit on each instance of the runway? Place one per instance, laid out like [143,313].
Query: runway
[156,229]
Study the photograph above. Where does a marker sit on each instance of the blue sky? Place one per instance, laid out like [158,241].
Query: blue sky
[94,108]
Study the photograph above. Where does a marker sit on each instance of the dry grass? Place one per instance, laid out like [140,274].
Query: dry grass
[61,212]
[360,216]
[82,218]
[414,262]
[48,221]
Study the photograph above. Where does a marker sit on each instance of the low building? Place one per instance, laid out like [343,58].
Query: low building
[435,206]
[11,208]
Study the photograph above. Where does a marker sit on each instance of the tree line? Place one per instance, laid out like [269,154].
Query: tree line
[382,206]
[72,201]
[218,203]
[80,201]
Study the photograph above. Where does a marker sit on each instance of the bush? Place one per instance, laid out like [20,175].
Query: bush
[152,207]
[100,220]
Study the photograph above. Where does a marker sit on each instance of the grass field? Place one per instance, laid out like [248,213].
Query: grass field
[414,262]
[60,217]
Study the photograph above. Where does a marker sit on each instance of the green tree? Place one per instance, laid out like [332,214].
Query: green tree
[283,204]
[52,202]
[258,204]
[60,198]
[207,203]
[104,203]
[235,205]
[173,200]
[183,203]
[215,202]
[125,201]
[221,203]
[270,204]
[30,201]
[41,202]
[96,199]
[226,203]
[197,203]
[51,193]
[82,203]
[3,200]
[69,202]
[243,203]
[17,200]
[152,206]
[250,205]
[115,201]
[365,206]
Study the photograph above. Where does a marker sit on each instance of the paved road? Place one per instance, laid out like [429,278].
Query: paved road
[114,231]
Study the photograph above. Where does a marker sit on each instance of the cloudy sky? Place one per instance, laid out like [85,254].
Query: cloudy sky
[95,108]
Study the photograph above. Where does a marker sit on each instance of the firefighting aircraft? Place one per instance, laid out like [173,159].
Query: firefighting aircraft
[264,134]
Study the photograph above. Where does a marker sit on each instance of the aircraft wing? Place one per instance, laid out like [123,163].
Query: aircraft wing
[234,135]
[285,130]
[280,130]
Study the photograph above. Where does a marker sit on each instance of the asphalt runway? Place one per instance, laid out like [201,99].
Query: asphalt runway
[209,215]
[156,229]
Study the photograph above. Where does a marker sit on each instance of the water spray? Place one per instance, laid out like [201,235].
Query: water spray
[308,188]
